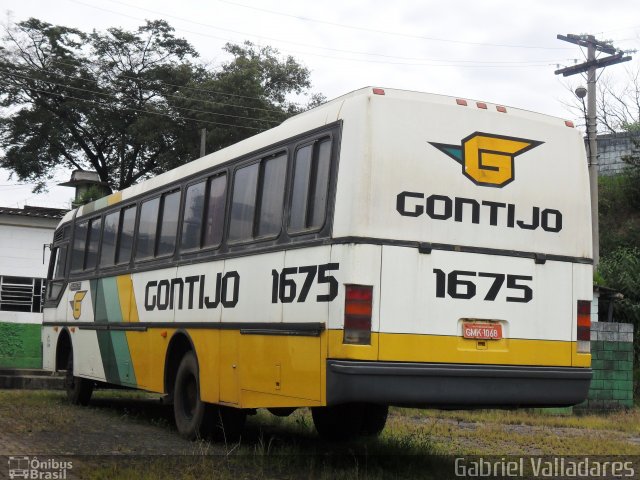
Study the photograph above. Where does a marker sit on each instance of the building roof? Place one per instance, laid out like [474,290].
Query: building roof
[31,211]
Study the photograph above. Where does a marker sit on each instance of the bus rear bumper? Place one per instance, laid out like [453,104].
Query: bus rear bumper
[455,385]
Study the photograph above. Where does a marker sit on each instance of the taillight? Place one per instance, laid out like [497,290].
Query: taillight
[584,326]
[358,305]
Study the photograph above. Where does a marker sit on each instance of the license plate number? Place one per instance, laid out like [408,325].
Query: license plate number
[482,331]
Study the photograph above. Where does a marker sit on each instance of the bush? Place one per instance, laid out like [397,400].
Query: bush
[620,270]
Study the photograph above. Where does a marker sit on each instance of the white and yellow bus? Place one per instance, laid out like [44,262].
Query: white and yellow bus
[385,248]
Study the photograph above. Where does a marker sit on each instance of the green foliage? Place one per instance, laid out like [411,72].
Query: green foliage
[619,214]
[130,104]
[621,271]
[93,193]
[619,211]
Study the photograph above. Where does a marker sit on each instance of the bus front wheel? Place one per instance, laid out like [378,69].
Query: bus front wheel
[193,417]
[78,389]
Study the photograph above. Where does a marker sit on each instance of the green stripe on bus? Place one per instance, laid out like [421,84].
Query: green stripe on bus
[108,301]
[114,348]
[123,358]
[108,356]
[100,203]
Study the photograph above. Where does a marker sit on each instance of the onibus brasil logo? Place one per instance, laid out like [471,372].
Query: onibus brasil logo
[488,159]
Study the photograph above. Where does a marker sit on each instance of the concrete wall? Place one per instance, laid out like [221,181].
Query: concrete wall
[611,149]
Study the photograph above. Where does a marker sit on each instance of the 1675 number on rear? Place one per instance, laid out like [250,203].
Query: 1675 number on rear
[461,284]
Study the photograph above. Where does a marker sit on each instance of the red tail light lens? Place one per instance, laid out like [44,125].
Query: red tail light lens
[584,326]
[358,305]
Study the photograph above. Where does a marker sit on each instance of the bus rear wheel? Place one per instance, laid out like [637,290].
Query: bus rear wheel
[338,422]
[78,389]
[374,419]
[193,417]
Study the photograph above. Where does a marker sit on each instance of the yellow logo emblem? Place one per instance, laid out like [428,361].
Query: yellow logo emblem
[76,303]
[488,159]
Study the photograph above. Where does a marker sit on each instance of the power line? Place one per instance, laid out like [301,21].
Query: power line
[421,61]
[373,30]
[113,97]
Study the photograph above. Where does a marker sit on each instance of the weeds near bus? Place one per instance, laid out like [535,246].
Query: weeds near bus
[619,216]
[415,444]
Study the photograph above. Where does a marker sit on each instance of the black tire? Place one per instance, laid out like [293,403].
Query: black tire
[192,416]
[374,419]
[228,424]
[339,422]
[78,389]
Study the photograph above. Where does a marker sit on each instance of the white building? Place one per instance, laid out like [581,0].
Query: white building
[24,257]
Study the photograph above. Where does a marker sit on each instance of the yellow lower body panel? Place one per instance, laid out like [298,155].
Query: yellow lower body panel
[243,370]
[262,371]
[148,350]
[398,347]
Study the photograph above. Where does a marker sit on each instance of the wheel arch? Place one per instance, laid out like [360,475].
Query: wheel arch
[64,346]
[179,345]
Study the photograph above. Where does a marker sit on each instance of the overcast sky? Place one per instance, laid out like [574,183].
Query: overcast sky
[497,51]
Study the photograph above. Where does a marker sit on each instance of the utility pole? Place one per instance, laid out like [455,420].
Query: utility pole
[591,66]
[203,142]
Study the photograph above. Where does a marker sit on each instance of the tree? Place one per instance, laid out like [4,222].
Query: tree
[256,85]
[617,103]
[129,105]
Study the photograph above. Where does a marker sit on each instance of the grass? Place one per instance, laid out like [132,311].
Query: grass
[415,444]
[627,421]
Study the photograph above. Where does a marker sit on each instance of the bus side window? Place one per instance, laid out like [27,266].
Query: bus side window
[192,218]
[243,204]
[214,220]
[92,243]
[79,241]
[147,229]
[109,236]
[56,273]
[60,255]
[125,235]
[168,223]
[310,186]
[272,195]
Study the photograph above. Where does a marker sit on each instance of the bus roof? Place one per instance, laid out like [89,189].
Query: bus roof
[319,116]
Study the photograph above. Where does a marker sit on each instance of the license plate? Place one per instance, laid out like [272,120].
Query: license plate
[482,331]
